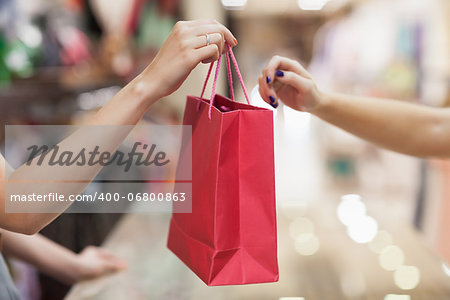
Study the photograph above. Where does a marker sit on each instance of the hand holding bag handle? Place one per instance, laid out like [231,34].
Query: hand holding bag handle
[230,79]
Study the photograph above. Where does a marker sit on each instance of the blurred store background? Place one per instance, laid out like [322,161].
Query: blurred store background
[355,221]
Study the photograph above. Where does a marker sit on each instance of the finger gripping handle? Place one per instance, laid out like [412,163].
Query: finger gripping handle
[230,78]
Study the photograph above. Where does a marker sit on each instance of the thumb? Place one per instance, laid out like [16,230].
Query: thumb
[112,266]
[111,261]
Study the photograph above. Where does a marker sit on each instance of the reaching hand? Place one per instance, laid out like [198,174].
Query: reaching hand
[93,262]
[287,80]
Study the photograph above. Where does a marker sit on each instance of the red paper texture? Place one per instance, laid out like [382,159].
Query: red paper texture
[230,236]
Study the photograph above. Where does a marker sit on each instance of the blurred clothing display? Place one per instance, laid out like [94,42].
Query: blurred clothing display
[50,53]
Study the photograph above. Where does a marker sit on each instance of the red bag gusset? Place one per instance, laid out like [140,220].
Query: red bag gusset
[230,237]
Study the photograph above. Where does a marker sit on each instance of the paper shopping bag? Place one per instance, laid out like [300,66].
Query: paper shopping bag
[230,235]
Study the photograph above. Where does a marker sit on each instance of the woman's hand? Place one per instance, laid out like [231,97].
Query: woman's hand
[94,262]
[184,49]
[286,79]
[186,46]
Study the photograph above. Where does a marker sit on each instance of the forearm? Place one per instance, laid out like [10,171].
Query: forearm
[403,127]
[120,114]
[49,257]
[129,105]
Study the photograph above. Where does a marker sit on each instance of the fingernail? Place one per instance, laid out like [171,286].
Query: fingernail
[279,73]
[272,99]
[268,80]
[235,42]
[274,105]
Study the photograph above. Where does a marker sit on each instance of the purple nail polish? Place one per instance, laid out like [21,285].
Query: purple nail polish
[272,99]
[274,105]
[268,80]
[279,73]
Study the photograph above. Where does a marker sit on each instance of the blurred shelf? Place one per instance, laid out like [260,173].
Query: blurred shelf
[47,87]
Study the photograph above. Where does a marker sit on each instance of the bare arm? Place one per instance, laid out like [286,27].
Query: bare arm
[183,50]
[403,127]
[57,261]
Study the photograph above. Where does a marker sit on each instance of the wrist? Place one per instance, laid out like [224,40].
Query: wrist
[323,100]
[143,91]
[71,272]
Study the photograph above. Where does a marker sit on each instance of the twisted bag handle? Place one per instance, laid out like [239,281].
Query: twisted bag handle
[230,79]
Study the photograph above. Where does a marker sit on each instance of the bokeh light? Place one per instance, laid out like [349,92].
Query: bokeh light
[363,230]
[351,209]
[307,244]
[397,297]
[391,258]
[446,269]
[311,4]
[30,35]
[234,4]
[407,277]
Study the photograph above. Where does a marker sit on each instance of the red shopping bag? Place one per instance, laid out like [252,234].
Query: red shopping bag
[230,236]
